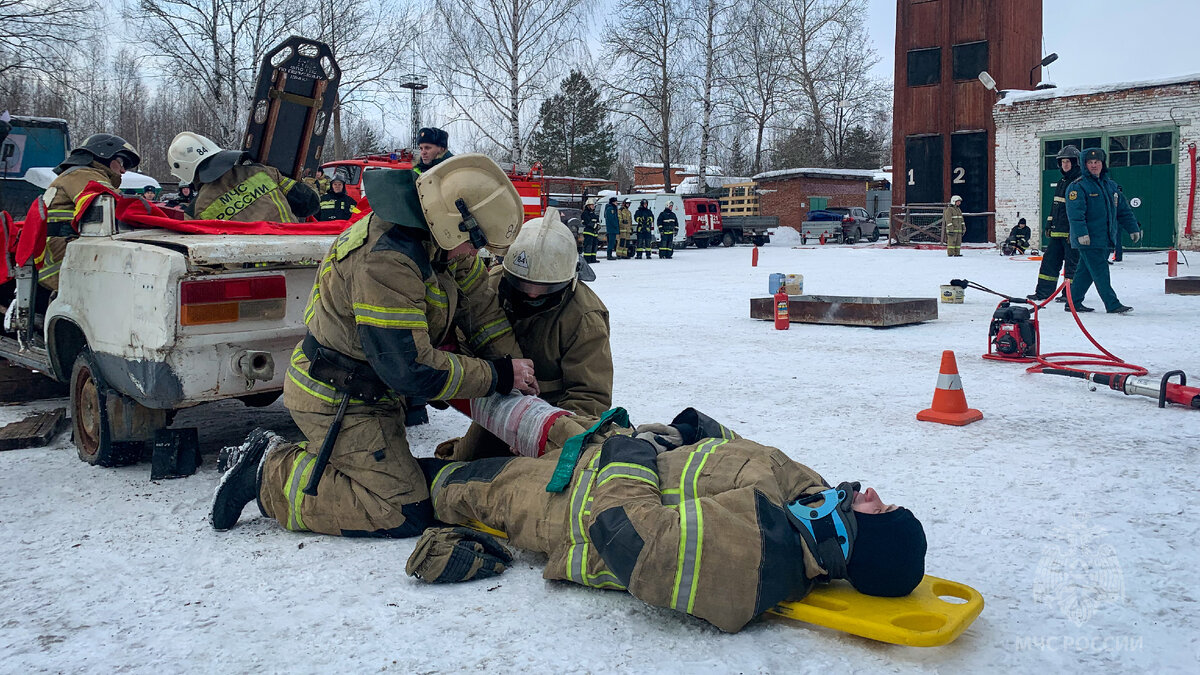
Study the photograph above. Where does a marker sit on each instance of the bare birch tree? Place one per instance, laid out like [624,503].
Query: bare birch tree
[364,36]
[755,76]
[647,41]
[813,28]
[494,60]
[41,35]
[716,38]
[216,47]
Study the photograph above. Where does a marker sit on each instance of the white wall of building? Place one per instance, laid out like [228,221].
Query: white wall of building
[1023,119]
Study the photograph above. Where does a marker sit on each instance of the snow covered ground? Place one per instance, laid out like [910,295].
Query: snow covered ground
[1075,513]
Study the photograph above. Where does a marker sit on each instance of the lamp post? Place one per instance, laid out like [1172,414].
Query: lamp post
[1051,58]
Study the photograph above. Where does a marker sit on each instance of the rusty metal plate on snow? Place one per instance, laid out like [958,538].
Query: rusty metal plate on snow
[848,310]
[1183,285]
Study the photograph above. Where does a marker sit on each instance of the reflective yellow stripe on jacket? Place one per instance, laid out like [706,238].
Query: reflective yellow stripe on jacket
[246,193]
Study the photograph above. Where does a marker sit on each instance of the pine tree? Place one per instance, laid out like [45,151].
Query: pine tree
[800,148]
[860,150]
[574,137]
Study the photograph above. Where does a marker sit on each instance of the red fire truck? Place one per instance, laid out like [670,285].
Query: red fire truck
[530,185]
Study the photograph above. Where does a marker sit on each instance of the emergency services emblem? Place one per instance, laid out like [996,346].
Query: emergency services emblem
[1073,195]
[1079,571]
[522,260]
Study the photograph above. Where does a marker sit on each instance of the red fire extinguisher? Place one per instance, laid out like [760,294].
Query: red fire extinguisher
[781,309]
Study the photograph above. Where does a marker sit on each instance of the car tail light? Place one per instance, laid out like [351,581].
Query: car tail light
[847,219]
[231,300]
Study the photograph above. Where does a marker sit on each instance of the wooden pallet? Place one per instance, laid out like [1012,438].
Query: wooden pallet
[21,385]
[35,431]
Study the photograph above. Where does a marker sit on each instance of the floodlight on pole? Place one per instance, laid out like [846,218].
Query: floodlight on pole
[987,80]
[1050,58]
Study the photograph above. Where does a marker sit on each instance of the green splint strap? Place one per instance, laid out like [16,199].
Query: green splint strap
[574,445]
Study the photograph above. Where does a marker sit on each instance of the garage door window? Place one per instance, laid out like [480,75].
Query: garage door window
[1141,149]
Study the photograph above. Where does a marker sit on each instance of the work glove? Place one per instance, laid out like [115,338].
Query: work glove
[453,554]
[1136,236]
[662,436]
[1085,240]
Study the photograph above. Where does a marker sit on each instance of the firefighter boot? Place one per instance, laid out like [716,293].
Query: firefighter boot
[239,485]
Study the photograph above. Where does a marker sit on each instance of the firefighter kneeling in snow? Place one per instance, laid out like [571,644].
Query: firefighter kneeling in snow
[560,323]
[231,188]
[393,288]
[688,516]
[102,158]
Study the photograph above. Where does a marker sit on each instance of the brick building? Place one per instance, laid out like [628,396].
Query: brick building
[571,191]
[789,194]
[648,177]
[1146,129]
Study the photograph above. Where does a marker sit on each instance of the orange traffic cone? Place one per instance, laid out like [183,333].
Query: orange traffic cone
[949,401]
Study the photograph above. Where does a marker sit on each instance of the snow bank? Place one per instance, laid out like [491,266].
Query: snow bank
[1074,512]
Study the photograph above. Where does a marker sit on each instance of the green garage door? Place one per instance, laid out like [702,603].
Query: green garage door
[1144,163]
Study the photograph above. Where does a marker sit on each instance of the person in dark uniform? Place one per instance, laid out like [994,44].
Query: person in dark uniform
[1059,251]
[336,204]
[591,230]
[643,226]
[1018,239]
[431,146]
[668,226]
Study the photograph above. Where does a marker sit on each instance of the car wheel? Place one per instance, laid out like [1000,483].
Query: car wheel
[702,243]
[728,240]
[89,418]
[854,236]
[874,236]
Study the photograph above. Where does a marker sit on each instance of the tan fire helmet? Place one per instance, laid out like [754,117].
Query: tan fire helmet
[489,197]
[544,252]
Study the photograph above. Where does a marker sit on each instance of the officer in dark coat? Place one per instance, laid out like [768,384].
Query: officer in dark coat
[1097,211]
[668,226]
[1059,248]
[612,226]
[431,146]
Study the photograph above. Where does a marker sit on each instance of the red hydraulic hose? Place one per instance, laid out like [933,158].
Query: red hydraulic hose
[1187,224]
[1072,360]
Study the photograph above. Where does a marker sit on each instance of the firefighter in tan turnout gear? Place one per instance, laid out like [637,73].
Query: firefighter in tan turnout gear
[391,291]
[688,516]
[103,158]
[231,188]
[560,323]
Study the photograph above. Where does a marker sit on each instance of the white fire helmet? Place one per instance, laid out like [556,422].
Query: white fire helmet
[544,252]
[956,199]
[186,152]
[487,193]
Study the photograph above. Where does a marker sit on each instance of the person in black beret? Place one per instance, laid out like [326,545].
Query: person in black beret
[431,146]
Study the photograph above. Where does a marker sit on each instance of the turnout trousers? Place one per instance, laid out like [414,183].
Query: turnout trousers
[954,243]
[1057,252]
[372,487]
[667,248]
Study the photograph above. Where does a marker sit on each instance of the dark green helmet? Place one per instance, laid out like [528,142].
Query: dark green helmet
[1068,152]
[103,148]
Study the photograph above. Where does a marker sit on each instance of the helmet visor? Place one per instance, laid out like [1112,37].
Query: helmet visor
[535,289]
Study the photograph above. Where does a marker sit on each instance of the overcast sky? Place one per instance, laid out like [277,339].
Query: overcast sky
[1133,39]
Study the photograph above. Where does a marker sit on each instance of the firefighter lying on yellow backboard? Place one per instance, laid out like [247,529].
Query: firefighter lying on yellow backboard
[688,516]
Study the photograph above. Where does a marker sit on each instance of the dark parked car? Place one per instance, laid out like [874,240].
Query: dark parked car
[855,220]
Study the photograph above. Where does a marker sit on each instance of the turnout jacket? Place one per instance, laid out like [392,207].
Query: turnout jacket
[1056,223]
[569,347]
[1097,207]
[381,298]
[953,217]
[61,194]
[337,206]
[668,222]
[701,529]
[254,192]
[625,220]
[591,222]
[643,221]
